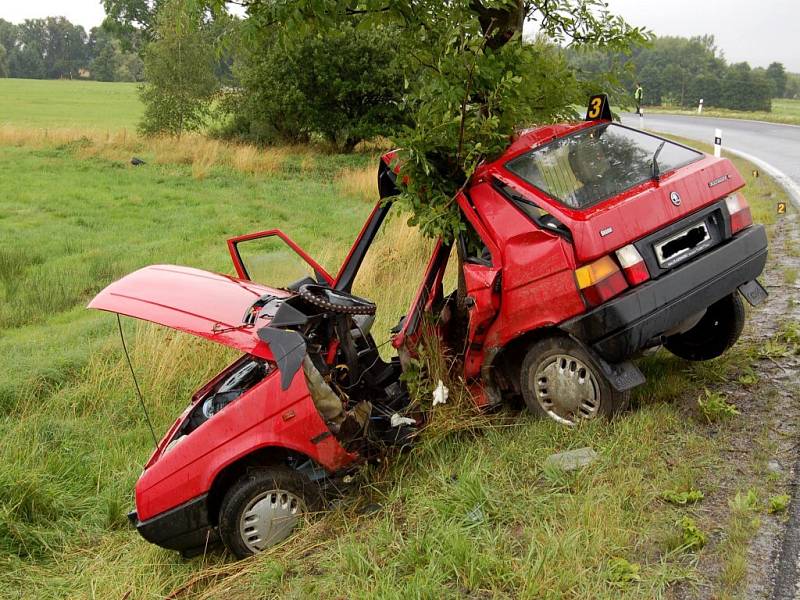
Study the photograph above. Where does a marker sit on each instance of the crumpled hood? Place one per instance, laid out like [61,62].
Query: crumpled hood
[205,304]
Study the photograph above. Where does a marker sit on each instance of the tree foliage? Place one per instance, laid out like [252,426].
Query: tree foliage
[179,71]
[470,81]
[344,84]
[680,71]
[777,75]
[54,48]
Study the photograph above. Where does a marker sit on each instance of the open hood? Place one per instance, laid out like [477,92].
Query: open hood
[204,304]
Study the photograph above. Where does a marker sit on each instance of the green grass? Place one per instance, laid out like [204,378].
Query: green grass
[467,514]
[67,104]
[784,110]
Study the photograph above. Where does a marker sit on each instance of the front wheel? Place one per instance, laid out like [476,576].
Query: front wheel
[263,507]
[716,331]
[560,380]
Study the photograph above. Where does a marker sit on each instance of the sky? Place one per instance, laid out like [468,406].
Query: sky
[758,32]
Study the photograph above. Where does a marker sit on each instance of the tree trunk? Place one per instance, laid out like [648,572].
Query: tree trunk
[500,25]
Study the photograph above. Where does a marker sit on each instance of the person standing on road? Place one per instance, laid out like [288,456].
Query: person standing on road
[637,96]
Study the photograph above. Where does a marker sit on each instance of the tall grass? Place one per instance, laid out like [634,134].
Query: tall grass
[358,183]
[198,151]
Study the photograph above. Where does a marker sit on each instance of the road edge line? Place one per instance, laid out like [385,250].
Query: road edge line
[699,117]
[782,178]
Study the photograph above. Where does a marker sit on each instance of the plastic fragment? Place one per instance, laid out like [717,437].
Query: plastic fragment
[398,421]
[440,394]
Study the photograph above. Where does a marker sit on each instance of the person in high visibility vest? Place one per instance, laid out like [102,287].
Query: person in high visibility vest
[637,96]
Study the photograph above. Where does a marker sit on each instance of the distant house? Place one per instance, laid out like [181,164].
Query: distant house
[84,74]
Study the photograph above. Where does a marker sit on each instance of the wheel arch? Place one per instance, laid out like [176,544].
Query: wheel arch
[260,457]
[508,359]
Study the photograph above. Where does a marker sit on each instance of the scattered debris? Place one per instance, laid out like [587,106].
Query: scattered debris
[440,394]
[571,459]
[476,515]
[774,466]
[398,421]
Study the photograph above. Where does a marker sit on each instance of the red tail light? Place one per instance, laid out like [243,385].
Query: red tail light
[739,211]
[600,281]
[633,265]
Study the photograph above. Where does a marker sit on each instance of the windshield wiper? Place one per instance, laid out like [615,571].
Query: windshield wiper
[654,165]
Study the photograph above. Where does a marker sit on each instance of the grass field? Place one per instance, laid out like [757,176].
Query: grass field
[69,104]
[469,514]
[784,110]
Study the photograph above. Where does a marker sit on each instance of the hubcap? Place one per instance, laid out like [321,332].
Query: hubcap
[269,518]
[566,389]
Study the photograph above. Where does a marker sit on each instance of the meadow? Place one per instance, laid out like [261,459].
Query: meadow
[784,110]
[470,512]
[91,105]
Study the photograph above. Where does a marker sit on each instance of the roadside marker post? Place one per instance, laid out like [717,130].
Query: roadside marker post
[641,119]
[700,107]
[718,142]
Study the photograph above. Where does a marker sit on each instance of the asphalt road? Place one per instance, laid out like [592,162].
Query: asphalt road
[776,145]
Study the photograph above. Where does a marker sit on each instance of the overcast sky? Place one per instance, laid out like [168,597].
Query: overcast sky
[758,32]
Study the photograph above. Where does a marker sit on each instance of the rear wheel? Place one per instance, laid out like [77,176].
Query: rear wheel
[716,331]
[560,380]
[263,507]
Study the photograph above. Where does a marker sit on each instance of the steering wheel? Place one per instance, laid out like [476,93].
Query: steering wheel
[335,300]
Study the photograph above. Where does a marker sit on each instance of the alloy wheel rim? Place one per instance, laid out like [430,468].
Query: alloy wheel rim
[269,518]
[566,389]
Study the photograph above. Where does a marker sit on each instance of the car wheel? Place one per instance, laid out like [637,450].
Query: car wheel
[560,380]
[263,507]
[716,331]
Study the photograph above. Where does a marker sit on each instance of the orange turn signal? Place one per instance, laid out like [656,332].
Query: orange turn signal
[600,280]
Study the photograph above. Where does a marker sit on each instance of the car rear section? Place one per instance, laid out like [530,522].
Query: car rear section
[656,244]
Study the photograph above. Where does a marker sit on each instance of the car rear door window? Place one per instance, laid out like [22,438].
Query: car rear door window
[597,163]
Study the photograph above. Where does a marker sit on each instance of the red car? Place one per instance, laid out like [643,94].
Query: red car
[584,244]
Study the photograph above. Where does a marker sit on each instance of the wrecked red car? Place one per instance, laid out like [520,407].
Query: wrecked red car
[584,244]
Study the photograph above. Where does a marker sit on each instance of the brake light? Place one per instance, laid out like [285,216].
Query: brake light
[600,280]
[633,265]
[739,211]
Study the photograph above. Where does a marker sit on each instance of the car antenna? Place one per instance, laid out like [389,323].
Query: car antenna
[654,165]
[136,383]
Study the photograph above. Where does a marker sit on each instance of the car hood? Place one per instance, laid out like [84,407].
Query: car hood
[208,305]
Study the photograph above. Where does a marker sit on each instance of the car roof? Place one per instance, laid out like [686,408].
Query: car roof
[528,139]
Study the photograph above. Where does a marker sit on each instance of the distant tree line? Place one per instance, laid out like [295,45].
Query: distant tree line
[680,71]
[54,48]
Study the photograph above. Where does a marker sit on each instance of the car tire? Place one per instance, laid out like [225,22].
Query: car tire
[560,380]
[716,331]
[262,508]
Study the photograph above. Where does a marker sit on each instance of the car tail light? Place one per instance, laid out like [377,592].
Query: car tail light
[600,280]
[739,211]
[633,265]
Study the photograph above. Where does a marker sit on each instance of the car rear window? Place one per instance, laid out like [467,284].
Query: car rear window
[597,163]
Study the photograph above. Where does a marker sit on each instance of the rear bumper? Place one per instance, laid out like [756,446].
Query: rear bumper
[186,528]
[626,324]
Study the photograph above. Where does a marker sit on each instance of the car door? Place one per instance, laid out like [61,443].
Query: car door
[273,258]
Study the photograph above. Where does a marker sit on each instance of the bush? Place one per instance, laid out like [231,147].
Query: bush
[344,85]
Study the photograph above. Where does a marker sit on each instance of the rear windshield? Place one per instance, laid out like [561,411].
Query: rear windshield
[597,163]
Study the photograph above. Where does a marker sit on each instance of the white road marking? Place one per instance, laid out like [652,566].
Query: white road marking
[790,186]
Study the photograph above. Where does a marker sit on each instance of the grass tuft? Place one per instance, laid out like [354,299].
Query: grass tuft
[714,407]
